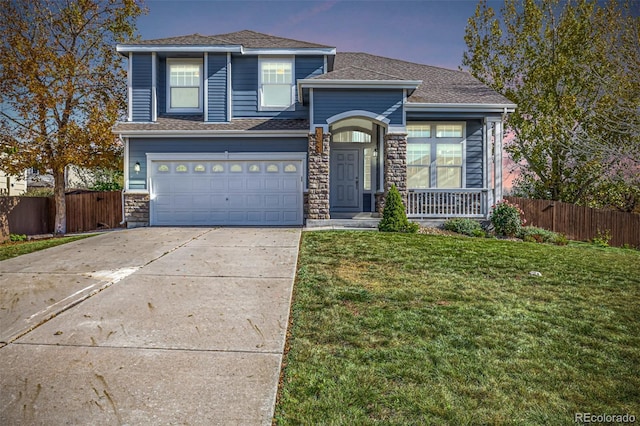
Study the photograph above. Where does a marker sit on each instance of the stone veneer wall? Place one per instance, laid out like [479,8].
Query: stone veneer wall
[318,196]
[136,210]
[395,166]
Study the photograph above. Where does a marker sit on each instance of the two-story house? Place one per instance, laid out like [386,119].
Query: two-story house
[251,129]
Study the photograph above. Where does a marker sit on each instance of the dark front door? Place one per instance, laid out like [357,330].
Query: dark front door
[345,180]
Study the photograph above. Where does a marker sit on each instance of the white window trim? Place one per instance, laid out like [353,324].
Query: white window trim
[290,59]
[197,61]
[433,140]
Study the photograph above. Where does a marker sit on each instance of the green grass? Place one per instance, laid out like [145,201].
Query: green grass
[423,329]
[13,249]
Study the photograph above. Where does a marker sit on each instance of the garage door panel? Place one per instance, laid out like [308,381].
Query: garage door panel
[292,185]
[225,192]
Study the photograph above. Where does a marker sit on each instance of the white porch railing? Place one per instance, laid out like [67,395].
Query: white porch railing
[446,203]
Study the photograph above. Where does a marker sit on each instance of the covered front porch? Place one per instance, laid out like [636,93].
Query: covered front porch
[354,161]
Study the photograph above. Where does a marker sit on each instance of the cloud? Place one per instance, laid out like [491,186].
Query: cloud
[306,15]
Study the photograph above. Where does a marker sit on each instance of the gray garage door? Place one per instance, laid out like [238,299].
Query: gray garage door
[226,192]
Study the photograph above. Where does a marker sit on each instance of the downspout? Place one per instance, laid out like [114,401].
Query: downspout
[124,166]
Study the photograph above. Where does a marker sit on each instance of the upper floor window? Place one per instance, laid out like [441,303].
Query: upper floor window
[276,83]
[184,85]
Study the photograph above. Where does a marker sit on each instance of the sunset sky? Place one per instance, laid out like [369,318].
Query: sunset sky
[424,31]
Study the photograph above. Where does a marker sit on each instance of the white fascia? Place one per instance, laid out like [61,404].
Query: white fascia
[213,133]
[286,52]
[125,48]
[451,107]
[309,83]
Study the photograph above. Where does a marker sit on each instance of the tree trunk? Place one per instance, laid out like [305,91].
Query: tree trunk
[61,205]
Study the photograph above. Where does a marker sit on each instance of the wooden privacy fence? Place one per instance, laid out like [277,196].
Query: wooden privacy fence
[581,223]
[36,215]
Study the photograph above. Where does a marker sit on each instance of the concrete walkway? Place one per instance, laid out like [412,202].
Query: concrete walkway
[147,326]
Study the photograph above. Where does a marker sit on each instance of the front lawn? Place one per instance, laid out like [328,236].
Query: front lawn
[13,249]
[424,329]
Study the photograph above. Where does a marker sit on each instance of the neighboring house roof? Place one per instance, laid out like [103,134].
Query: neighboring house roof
[439,85]
[246,38]
[195,123]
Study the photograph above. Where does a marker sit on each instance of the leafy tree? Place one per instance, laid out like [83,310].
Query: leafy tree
[62,85]
[394,217]
[572,67]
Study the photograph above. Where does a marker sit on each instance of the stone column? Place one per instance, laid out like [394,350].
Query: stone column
[136,210]
[395,166]
[318,198]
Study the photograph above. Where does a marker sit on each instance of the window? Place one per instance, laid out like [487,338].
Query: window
[184,85]
[449,131]
[449,165]
[353,136]
[200,168]
[181,168]
[272,168]
[217,168]
[418,165]
[435,162]
[276,83]
[419,131]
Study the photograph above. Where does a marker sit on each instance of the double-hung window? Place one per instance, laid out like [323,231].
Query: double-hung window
[184,85]
[276,83]
[435,155]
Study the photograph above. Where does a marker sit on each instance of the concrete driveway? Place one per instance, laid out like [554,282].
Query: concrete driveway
[147,326]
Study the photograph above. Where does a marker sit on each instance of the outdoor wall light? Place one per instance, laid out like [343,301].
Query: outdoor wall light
[136,167]
[375,152]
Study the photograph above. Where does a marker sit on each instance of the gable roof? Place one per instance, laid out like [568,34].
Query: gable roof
[439,85]
[246,38]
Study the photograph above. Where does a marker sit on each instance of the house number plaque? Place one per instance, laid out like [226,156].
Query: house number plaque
[319,140]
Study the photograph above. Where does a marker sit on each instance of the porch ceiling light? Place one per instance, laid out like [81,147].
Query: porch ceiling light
[136,167]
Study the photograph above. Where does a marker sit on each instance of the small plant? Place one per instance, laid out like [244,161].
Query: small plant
[537,235]
[464,226]
[561,240]
[394,218]
[602,238]
[507,218]
[17,237]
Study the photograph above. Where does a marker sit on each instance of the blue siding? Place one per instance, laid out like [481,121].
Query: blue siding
[244,86]
[385,102]
[244,83]
[162,85]
[141,86]
[217,89]
[474,154]
[139,147]
[309,66]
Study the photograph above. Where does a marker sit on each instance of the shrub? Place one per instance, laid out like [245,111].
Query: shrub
[464,226]
[17,237]
[538,235]
[506,218]
[394,218]
[602,238]
[561,240]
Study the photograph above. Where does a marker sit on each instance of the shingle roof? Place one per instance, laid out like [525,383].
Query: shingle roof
[439,85]
[246,38]
[195,123]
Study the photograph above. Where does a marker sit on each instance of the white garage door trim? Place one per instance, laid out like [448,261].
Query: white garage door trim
[249,193]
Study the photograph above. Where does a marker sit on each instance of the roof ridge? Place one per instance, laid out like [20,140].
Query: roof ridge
[401,60]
